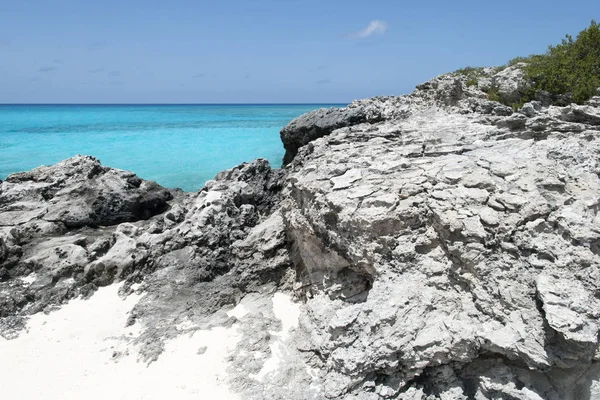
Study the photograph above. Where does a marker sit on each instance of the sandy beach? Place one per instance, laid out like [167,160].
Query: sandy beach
[84,350]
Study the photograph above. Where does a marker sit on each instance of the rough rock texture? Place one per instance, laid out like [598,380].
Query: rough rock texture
[439,246]
[452,253]
[57,247]
[511,83]
[446,91]
[319,123]
[56,221]
[79,192]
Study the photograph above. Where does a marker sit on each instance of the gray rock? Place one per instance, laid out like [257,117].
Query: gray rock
[50,230]
[438,245]
[594,101]
[316,124]
[447,90]
[465,273]
[3,250]
[79,192]
[228,229]
[545,98]
[510,83]
[531,108]
[484,106]
[514,122]
[581,114]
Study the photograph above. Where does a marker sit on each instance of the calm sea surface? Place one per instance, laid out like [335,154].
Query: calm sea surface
[176,145]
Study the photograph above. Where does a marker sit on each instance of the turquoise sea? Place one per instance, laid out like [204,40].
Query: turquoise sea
[175,145]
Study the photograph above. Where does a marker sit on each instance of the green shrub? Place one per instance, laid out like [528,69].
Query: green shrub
[493,94]
[469,71]
[570,68]
[472,74]
[472,82]
[520,59]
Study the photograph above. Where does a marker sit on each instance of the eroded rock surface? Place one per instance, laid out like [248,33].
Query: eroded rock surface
[438,246]
[452,253]
[319,123]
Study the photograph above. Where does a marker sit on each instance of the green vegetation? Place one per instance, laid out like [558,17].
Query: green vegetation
[469,71]
[472,82]
[571,68]
[493,94]
[520,59]
[472,73]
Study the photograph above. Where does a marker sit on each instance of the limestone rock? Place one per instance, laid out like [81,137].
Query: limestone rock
[476,269]
[437,245]
[316,124]
[510,83]
[79,192]
[531,108]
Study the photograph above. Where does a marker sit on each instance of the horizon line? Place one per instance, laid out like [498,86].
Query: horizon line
[170,104]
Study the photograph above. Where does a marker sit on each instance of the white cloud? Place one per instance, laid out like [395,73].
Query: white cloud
[376,27]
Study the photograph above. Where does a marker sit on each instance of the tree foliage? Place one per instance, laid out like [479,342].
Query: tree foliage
[570,68]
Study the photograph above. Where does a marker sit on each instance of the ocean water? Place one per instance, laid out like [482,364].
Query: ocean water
[175,145]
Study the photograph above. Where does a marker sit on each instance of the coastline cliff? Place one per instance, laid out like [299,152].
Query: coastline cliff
[439,245]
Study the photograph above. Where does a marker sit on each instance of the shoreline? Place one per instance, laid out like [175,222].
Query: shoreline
[430,243]
[176,146]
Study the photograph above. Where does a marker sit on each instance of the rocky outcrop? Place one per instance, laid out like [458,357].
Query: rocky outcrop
[449,90]
[59,246]
[452,253]
[41,210]
[511,83]
[439,246]
[319,123]
[79,192]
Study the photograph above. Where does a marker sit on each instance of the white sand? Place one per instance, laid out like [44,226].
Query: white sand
[68,354]
[29,279]
[288,313]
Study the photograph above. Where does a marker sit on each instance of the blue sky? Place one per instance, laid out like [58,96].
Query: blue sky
[244,51]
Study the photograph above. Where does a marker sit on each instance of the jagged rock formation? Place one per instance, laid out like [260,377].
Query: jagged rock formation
[58,246]
[50,222]
[439,245]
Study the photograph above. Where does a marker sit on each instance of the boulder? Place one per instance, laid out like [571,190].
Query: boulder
[510,83]
[531,108]
[316,124]
[79,192]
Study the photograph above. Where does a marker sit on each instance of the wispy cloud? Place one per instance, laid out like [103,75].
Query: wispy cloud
[47,69]
[116,83]
[323,81]
[375,27]
[199,75]
[97,70]
[114,73]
